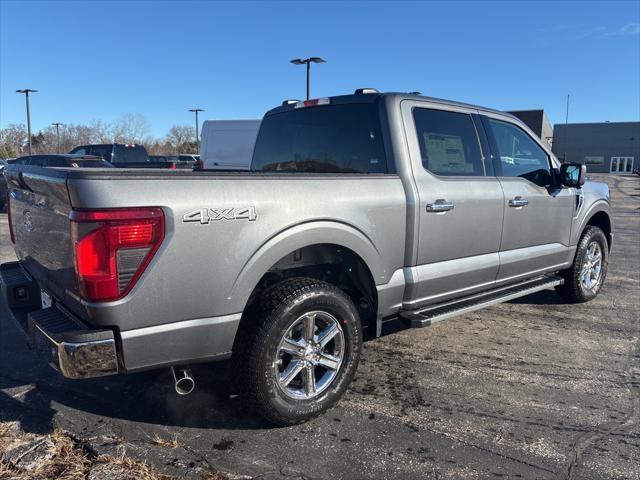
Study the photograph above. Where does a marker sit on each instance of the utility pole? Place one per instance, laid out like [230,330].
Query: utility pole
[196,110]
[57,125]
[26,92]
[566,121]
[308,62]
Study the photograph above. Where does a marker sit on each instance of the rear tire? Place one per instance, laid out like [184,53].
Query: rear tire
[297,350]
[584,279]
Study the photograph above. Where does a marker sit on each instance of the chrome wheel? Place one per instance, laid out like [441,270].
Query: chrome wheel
[591,271]
[309,355]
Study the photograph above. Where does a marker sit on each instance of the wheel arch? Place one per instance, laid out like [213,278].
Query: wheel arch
[325,241]
[600,218]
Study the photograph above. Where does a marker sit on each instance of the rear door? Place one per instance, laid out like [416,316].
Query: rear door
[461,203]
[537,218]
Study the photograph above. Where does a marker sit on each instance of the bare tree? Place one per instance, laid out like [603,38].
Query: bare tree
[130,128]
[13,140]
[101,132]
[182,139]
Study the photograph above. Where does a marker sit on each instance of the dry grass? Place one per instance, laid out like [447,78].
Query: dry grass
[65,460]
[125,468]
[68,459]
[173,443]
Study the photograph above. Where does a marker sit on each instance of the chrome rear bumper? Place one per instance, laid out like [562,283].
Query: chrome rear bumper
[68,345]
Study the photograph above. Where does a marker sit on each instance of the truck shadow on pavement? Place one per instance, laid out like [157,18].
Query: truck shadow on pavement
[543,297]
[32,394]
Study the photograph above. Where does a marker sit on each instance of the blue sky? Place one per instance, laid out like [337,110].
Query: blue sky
[101,59]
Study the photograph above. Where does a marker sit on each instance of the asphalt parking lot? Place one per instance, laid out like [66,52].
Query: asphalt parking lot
[534,389]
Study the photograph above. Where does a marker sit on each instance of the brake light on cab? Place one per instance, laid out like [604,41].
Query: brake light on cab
[112,248]
[316,102]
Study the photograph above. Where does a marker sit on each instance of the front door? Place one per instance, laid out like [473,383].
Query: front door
[537,215]
[460,204]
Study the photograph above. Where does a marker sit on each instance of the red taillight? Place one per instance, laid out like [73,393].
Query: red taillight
[112,248]
[172,166]
[13,238]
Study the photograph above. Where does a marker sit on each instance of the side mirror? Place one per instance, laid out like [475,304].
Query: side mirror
[573,174]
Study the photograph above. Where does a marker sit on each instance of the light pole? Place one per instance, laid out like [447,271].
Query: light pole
[308,62]
[26,92]
[196,110]
[57,125]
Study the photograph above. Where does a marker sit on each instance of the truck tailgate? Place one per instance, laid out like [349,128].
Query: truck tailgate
[39,215]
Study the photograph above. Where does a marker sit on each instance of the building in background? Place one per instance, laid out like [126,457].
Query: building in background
[604,147]
[537,121]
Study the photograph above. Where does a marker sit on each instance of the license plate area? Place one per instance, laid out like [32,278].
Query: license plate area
[46,300]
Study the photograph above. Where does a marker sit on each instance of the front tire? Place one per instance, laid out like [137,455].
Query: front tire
[584,279]
[297,350]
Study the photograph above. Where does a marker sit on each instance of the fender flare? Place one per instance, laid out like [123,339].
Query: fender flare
[300,236]
[597,207]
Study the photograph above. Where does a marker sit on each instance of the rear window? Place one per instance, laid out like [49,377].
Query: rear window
[135,154]
[325,139]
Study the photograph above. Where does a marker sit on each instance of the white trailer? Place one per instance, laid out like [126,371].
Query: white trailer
[228,144]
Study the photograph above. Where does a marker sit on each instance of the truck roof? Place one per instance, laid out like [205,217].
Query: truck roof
[371,96]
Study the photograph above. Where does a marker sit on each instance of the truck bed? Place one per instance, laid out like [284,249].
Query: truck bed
[207,265]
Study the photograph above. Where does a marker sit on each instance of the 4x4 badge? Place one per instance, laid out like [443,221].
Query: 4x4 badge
[206,215]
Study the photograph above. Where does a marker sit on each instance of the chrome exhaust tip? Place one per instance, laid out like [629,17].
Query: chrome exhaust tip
[183,380]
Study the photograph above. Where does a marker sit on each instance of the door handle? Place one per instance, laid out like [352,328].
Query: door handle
[440,206]
[518,202]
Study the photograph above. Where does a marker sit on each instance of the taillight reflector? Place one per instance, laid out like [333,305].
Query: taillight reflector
[112,248]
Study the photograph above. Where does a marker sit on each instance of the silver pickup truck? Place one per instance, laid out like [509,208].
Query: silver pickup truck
[359,210]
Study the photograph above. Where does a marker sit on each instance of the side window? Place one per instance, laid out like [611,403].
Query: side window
[520,155]
[55,162]
[79,151]
[104,152]
[448,143]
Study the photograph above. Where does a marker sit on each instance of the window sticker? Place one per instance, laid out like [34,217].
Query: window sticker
[446,153]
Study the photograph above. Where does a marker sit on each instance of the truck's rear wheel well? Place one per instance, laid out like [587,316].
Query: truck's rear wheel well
[603,222]
[333,264]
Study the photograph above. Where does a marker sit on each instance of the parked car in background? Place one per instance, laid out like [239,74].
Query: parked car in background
[190,159]
[227,144]
[63,160]
[358,210]
[120,155]
[172,162]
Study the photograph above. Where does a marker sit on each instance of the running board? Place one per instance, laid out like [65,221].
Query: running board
[435,313]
